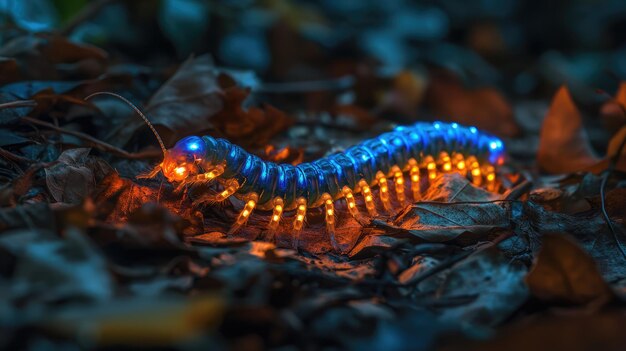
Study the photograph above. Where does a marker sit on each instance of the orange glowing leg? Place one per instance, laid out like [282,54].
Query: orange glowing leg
[350,202]
[458,163]
[383,190]
[245,213]
[276,214]
[398,178]
[474,168]
[431,167]
[414,173]
[298,223]
[231,188]
[490,175]
[369,199]
[446,162]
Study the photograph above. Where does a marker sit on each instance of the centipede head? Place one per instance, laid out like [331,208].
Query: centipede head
[181,161]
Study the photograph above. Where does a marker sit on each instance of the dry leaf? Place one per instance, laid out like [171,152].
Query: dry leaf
[497,283]
[484,108]
[563,145]
[441,222]
[70,180]
[564,272]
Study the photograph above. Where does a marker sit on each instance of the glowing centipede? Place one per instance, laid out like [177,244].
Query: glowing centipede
[386,162]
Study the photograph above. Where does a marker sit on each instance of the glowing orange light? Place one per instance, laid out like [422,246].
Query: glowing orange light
[384,190]
[300,213]
[431,166]
[369,201]
[414,174]
[330,213]
[180,170]
[278,211]
[347,193]
[446,161]
[399,182]
[474,167]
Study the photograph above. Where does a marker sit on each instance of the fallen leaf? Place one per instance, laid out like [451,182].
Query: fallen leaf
[74,176]
[564,145]
[564,272]
[485,108]
[45,56]
[441,222]
[495,280]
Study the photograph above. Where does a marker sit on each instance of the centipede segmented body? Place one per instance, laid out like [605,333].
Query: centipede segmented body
[387,161]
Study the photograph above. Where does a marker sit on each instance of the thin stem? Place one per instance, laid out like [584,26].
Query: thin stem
[95,142]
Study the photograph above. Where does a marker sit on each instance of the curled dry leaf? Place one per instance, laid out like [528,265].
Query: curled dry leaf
[564,145]
[564,272]
[201,98]
[74,175]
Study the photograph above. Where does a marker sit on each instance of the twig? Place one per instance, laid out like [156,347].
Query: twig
[95,142]
[89,11]
[19,103]
[13,157]
[519,190]
[605,178]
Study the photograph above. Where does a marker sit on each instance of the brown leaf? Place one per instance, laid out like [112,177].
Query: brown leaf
[563,145]
[187,101]
[46,56]
[252,128]
[563,272]
[484,108]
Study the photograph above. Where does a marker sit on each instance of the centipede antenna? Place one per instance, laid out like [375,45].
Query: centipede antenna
[145,119]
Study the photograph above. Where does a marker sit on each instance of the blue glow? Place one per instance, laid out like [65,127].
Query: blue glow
[437,125]
[455,125]
[193,146]
[473,130]
[493,145]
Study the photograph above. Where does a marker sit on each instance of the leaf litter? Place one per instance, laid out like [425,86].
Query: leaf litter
[93,256]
